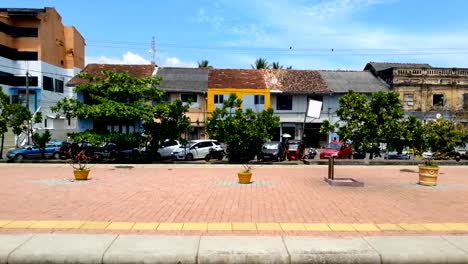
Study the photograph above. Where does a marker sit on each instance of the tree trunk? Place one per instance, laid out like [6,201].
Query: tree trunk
[1,146]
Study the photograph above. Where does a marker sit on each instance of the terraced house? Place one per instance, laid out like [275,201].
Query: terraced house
[292,89]
[38,55]
[247,84]
[427,91]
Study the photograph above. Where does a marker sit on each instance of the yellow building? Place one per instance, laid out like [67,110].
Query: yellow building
[249,85]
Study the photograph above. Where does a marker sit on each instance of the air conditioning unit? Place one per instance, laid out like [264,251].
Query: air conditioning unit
[409,103]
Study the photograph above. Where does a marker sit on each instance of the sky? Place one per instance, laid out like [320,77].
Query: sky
[304,34]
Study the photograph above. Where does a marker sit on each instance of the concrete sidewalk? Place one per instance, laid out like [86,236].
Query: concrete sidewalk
[80,248]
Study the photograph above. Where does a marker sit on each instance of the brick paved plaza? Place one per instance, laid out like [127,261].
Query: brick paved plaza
[204,198]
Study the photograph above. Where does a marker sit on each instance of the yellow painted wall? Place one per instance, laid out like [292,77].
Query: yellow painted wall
[238,92]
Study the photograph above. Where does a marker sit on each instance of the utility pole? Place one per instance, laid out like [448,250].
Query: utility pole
[27,101]
[153,51]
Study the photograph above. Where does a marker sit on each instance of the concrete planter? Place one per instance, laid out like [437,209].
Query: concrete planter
[428,175]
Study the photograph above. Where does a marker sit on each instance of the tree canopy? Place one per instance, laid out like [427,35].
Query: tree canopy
[118,98]
[244,131]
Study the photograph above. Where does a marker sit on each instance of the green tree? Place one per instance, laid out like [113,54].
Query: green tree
[40,140]
[260,63]
[244,131]
[443,136]
[117,98]
[204,64]
[276,65]
[369,123]
[14,116]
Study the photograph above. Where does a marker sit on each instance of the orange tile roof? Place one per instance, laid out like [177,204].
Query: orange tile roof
[236,78]
[136,71]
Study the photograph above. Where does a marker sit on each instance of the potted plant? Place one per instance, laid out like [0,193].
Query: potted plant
[245,175]
[80,166]
[428,173]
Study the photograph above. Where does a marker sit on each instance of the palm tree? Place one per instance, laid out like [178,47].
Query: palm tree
[260,63]
[204,64]
[276,65]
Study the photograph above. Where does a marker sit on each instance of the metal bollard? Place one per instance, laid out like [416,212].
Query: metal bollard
[331,167]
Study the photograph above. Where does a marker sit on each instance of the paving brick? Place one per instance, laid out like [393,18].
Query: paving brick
[317,227]
[69,224]
[436,227]
[219,227]
[4,222]
[413,227]
[94,225]
[244,227]
[145,226]
[195,226]
[170,226]
[292,227]
[120,226]
[19,224]
[457,226]
[341,227]
[269,227]
[44,224]
[389,227]
[365,227]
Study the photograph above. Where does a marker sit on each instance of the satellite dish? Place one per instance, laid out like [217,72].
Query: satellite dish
[438,115]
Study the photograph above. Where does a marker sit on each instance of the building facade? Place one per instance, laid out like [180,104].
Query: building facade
[248,84]
[190,85]
[38,56]
[426,91]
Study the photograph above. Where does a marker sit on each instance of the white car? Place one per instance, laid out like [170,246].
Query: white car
[196,149]
[165,151]
[427,155]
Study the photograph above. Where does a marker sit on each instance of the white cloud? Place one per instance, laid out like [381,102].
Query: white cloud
[174,62]
[127,58]
[132,58]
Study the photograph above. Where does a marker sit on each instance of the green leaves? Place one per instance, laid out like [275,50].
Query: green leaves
[243,131]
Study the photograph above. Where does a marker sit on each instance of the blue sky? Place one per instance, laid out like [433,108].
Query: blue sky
[304,34]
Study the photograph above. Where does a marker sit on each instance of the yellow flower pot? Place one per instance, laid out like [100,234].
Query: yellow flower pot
[428,175]
[81,175]
[244,177]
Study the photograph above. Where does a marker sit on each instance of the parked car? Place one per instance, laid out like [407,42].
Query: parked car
[274,150]
[112,151]
[427,154]
[359,154]
[295,149]
[69,150]
[396,155]
[196,149]
[337,150]
[165,151]
[33,152]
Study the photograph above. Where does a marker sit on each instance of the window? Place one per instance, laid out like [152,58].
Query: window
[284,102]
[408,99]
[186,98]
[21,81]
[45,122]
[58,86]
[438,100]
[218,98]
[48,83]
[259,99]
[465,101]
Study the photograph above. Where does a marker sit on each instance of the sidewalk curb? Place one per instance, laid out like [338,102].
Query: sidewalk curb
[99,248]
